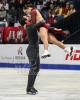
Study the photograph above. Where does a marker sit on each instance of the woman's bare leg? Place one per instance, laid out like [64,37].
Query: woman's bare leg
[54,40]
[44,37]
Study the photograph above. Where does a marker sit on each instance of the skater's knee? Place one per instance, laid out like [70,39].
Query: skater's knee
[34,67]
[37,69]
[34,70]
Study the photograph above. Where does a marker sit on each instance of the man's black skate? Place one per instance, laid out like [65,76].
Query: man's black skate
[32,91]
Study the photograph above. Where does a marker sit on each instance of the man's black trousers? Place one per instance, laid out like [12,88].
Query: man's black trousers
[34,61]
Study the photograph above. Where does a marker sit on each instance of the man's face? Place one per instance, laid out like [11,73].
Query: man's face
[25,11]
[27,17]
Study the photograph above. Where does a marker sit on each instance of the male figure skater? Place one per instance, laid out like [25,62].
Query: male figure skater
[32,53]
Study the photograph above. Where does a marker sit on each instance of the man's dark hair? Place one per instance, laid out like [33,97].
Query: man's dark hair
[22,21]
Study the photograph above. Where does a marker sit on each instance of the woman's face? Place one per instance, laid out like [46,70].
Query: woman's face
[27,11]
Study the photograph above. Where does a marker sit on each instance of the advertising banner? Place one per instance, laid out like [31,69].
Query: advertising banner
[16,54]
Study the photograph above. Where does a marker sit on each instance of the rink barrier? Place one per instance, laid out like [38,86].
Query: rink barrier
[42,66]
[14,56]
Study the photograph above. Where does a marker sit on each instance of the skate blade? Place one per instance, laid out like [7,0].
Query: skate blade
[30,93]
[45,56]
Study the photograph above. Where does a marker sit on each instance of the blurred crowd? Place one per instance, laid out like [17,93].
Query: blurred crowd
[12,10]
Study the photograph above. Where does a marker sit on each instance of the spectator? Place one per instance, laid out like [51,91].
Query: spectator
[19,8]
[21,35]
[51,17]
[77,4]
[44,10]
[72,9]
[6,6]
[58,13]
[40,4]
[65,9]
[0,37]
[11,3]
[1,4]
[2,13]
[1,34]
[11,15]
[9,35]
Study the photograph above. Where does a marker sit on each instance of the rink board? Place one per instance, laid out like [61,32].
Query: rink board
[15,56]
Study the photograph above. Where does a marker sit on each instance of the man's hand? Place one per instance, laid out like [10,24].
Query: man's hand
[24,17]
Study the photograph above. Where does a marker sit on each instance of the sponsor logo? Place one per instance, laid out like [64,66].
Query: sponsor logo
[75,56]
[6,58]
[20,51]
[20,55]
